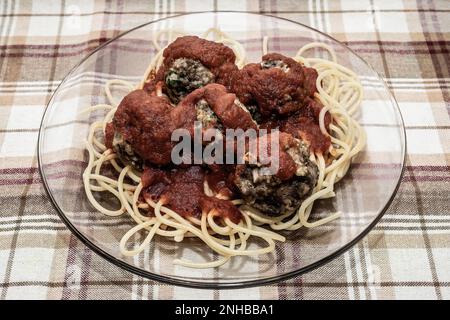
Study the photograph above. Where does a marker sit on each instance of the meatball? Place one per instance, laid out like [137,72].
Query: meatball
[207,116]
[114,140]
[185,75]
[216,108]
[126,152]
[280,64]
[276,86]
[141,130]
[190,63]
[284,191]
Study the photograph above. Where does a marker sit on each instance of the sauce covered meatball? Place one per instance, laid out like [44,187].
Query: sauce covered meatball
[190,63]
[284,191]
[216,108]
[141,130]
[276,86]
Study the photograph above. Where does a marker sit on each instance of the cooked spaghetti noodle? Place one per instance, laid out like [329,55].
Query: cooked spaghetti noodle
[339,91]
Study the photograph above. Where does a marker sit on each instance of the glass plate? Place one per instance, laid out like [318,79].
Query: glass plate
[362,196]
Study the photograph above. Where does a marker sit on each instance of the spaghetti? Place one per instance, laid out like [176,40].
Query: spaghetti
[338,90]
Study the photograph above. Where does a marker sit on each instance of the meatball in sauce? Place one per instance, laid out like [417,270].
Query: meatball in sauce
[276,86]
[191,63]
[216,107]
[284,191]
[141,129]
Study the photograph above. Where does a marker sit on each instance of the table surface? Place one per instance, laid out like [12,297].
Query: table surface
[407,255]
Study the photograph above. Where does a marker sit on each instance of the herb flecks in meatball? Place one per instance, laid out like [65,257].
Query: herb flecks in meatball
[267,64]
[196,53]
[207,116]
[214,101]
[126,152]
[276,194]
[256,115]
[241,105]
[184,76]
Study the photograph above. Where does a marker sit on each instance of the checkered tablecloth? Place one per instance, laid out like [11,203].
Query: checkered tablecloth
[407,255]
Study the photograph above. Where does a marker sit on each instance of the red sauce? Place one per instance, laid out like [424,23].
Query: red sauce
[181,190]
[109,135]
[220,180]
[305,125]
[222,208]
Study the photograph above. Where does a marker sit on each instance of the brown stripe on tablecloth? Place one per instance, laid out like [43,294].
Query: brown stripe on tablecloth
[391,45]
[87,122]
[362,51]
[389,225]
[12,70]
[360,247]
[364,48]
[70,263]
[6,25]
[441,71]
[34,178]
[443,60]
[145,13]
[352,254]
[377,228]
[58,270]
[380,258]
[401,241]
[385,70]
[286,284]
[16,229]
[421,210]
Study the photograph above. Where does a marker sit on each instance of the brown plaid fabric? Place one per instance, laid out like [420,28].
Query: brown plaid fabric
[407,255]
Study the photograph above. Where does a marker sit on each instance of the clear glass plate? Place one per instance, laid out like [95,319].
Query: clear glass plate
[362,196]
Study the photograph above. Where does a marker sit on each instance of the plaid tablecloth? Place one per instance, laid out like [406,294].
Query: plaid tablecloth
[407,255]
